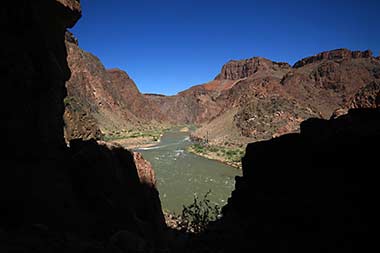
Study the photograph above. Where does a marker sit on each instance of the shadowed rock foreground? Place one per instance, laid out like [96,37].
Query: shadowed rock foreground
[88,197]
[313,191]
[307,192]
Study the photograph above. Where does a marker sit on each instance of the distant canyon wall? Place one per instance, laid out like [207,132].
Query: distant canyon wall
[250,100]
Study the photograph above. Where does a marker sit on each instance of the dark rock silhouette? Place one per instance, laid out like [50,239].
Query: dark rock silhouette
[307,192]
[55,198]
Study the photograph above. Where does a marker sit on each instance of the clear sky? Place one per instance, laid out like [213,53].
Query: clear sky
[169,45]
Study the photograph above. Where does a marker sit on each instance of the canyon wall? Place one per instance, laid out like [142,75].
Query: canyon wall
[250,100]
[268,99]
[100,101]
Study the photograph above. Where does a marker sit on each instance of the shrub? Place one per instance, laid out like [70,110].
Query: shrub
[196,216]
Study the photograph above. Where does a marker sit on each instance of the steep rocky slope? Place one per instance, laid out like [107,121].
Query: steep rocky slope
[269,98]
[250,100]
[100,100]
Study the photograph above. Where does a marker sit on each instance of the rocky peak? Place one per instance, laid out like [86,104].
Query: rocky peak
[238,69]
[115,72]
[337,54]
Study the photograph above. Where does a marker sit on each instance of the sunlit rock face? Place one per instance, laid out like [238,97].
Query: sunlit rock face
[250,100]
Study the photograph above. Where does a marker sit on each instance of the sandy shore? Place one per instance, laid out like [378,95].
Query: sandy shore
[135,143]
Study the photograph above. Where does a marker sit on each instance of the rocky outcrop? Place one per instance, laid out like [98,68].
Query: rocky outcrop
[330,83]
[338,54]
[118,188]
[235,70]
[268,117]
[79,122]
[367,97]
[305,192]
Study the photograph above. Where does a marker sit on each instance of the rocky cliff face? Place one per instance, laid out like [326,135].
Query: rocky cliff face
[88,197]
[100,100]
[367,97]
[250,100]
[235,70]
[195,105]
[338,54]
[329,80]
[269,99]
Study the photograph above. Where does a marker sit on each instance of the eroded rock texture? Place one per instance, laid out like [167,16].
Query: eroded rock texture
[269,99]
[250,100]
[100,100]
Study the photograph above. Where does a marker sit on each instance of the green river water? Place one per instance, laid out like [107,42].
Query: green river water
[181,175]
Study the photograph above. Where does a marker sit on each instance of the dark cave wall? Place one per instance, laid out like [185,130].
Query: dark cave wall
[34,71]
[91,191]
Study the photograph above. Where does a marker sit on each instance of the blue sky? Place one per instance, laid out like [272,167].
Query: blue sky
[169,45]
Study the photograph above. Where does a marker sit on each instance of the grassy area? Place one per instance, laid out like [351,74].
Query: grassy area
[153,133]
[231,156]
[129,134]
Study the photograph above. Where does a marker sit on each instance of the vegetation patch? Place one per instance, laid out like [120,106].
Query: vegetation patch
[229,155]
[154,135]
[196,217]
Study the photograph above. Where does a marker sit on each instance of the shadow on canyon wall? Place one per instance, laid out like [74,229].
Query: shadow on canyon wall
[309,192]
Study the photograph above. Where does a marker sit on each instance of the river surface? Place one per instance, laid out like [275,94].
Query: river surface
[181,175]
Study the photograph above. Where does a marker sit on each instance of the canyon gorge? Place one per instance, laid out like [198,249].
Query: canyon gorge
[308,173]
[249,100]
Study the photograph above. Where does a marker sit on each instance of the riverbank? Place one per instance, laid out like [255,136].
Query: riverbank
[140,138]
[133,139]
[227,155]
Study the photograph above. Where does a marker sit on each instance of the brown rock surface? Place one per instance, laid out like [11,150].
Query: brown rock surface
[101,100]
[235,70]
[337,54]
[144,170]
[367,97]
[250,100]
[329,83]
